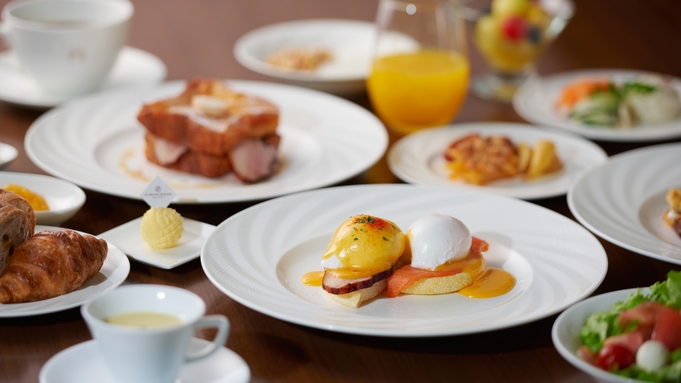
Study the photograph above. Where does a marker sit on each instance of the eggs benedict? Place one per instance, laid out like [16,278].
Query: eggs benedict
[360,257]
[445,258]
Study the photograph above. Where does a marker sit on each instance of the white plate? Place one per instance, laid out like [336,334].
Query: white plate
[535,101]
[418,158]
[350,42]
[623,200]
[113,272]
[325,140]
[8,153]
[63,198]
[128,238]
[133,67]
[566,328]
[258,256]
[83,363]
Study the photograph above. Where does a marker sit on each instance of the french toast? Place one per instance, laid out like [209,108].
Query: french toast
[200,131]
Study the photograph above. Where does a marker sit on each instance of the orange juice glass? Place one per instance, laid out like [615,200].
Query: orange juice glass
[419,77]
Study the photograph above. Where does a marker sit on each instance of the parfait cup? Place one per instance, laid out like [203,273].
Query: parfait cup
[511,35]
[420,71]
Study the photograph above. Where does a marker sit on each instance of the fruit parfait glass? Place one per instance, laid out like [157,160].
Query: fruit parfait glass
[511,35]
[420,71]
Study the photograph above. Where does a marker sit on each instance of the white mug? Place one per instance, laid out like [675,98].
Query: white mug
[150,355]
[67,46]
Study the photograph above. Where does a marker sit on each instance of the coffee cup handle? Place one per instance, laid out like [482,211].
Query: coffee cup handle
[222,324]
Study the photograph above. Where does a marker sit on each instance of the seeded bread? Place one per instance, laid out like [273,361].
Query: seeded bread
[15,229]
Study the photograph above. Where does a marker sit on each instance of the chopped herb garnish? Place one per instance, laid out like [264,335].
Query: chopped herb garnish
[355,239]
[385,239]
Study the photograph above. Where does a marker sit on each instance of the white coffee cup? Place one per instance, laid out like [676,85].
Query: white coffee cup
[150,355]
[67,46]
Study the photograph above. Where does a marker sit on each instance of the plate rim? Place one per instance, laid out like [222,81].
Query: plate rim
[397,334]
[511,126]
[604,134]
[124,267]
[377,127]
[572,205]
[13,154]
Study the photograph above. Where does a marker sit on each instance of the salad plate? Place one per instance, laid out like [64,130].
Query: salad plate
[63,198]
[258,256]
[128,238]
[418,158]
[98,144]
[83,363]
[8,153]
[566,328]
[133,67]
[348,42]
[623,200]
[536,100]
[113,272]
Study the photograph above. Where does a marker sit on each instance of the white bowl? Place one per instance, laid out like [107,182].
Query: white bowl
[350,42]
[565,332]
[63,198]
[7,154]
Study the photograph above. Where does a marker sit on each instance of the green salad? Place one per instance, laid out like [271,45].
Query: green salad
[640,337]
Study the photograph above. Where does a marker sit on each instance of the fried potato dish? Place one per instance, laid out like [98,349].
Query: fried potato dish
[481,160]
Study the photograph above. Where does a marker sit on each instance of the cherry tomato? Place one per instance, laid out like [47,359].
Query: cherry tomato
[667,329]
[514,28]
[612,355]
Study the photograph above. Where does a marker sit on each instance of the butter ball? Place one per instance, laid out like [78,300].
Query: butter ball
[161,227]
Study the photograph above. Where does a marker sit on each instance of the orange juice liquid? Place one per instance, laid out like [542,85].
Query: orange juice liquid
[412,91]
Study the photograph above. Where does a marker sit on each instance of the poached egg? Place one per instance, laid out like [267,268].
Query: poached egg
[436,239]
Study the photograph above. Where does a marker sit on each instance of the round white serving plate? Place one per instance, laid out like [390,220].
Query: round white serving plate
[623,200]
[258,256]
[97,143]
[536,99]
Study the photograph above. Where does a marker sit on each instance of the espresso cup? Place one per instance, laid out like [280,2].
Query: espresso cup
[143,331]
[67,46]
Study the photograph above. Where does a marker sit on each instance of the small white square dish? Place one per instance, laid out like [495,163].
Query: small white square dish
[127,237]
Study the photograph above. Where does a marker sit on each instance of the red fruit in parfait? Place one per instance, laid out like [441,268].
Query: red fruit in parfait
[514,28]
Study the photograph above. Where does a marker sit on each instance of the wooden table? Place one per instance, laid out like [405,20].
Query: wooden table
[196,39]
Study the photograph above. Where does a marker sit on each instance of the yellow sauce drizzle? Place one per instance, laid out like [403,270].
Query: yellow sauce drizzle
[313,278]
[493,283]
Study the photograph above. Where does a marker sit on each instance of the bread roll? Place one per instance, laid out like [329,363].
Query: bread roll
[15,228]
[20,203]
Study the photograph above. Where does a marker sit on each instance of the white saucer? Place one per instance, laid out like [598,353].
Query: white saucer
[127,237]
[82,363]
[133,67]
[8,153]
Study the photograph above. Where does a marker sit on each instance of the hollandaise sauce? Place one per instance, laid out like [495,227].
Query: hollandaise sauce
[363,246]
[313,278]
[492,283]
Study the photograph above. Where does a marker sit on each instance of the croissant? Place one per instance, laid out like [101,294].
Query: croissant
[49,264]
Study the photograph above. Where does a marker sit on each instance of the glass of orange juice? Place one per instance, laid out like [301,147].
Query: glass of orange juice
[419,75]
